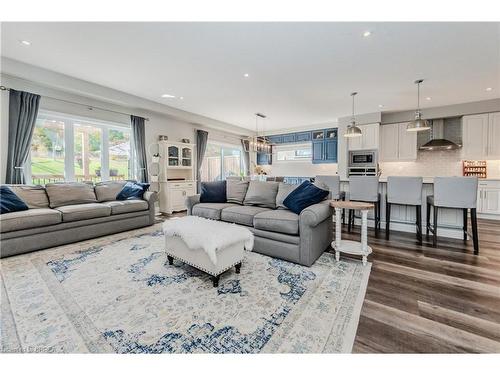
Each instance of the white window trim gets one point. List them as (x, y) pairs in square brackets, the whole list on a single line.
[(69, 141), (291, 147)]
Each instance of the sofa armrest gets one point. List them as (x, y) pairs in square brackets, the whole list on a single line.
[(316, 214), (191, 201), (151, 197)]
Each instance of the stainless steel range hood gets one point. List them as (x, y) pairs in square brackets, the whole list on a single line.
[(437, 141)]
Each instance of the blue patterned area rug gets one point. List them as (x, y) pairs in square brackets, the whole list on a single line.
[(117, 294)]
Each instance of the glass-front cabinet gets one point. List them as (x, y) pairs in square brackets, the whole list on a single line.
[(173, 156), (187, 155)]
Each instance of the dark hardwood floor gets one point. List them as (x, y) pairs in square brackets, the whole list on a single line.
[(422, 299)]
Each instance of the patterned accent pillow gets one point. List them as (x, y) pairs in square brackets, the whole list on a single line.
[(132, 190)]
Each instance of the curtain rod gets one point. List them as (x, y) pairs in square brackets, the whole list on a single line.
[(89, 107)]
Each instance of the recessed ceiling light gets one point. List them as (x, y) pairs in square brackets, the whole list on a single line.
[(181, 98), (367, 33), (489, 88), (25, 42), (168, 96), (381, 106), (428, 98), (246, 75)]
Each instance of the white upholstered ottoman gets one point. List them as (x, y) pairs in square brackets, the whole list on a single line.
[(208, 245)]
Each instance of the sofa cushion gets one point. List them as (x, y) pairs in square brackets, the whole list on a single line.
[(108, 190), (131, 205), (34, 218), (132, 190), (76, 212), (236, 191), (282, 221), (261, 194), (241, 214), (210, 210), (283, 191), (213, 192), (10, 202), (69, 193), (304, 196), (33, 195)]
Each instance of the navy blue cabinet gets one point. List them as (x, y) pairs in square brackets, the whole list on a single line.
[(324, 146), (275, 139), (264, 159), (303, 136), (289, 138)]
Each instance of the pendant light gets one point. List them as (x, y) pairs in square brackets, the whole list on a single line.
[(352, 129), (419, 124), (258, 143)]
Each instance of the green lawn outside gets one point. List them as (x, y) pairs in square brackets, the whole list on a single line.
[(49, 166)]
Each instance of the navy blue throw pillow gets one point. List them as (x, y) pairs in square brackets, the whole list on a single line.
[(10, 202), (132, 190), (304, 196), (213, 192)]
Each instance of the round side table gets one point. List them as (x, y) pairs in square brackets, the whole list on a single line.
[(347, 246)]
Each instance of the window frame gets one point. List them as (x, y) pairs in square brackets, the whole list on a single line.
[(222, 145), (69, 143), (292, 147)]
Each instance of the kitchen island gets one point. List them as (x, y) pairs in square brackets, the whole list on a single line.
[(450, 221)]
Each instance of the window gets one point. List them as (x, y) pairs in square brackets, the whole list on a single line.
[(66, 148), (296, 152), (221, 161)]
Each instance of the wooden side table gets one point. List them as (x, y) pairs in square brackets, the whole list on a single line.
[(347, 246)]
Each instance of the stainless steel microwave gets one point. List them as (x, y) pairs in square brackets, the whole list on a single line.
[(363, 158)]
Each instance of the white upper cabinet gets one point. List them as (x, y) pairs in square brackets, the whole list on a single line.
[(396, 143), (475, 136), (494, 135), (389, 140), (368, 140)]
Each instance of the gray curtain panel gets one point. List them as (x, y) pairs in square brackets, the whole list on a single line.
[(139, 133), (23, 109), (246, 155), (201, 147)]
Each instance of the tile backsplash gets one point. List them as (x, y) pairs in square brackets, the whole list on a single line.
[(435, 163)]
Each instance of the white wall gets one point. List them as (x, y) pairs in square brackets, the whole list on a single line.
[(159, 123)]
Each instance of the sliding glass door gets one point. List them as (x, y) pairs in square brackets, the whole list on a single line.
[(221, 161)]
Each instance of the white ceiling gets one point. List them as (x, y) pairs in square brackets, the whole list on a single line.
[(300, 73)]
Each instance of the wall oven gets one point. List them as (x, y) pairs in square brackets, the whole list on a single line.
[(363, 163)]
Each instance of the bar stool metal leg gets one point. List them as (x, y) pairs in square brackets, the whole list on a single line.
[(419, 223), (428, 221), (435, 225), (387, 219), (465, 224), (475, 238)]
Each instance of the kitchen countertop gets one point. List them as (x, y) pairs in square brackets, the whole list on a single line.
[(426, 180)]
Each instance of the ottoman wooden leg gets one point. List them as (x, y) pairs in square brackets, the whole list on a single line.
[(215, 281), (170, 259), (238, 268)]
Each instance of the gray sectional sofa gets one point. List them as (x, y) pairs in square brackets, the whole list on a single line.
[(278, 232), (62, 213)]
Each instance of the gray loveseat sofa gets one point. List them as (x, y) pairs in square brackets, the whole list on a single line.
[(62, 213), (278, 232)]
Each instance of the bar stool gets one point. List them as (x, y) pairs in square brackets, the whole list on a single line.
[(333, 183), (405, 191), (454, 192), (364, 189)]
